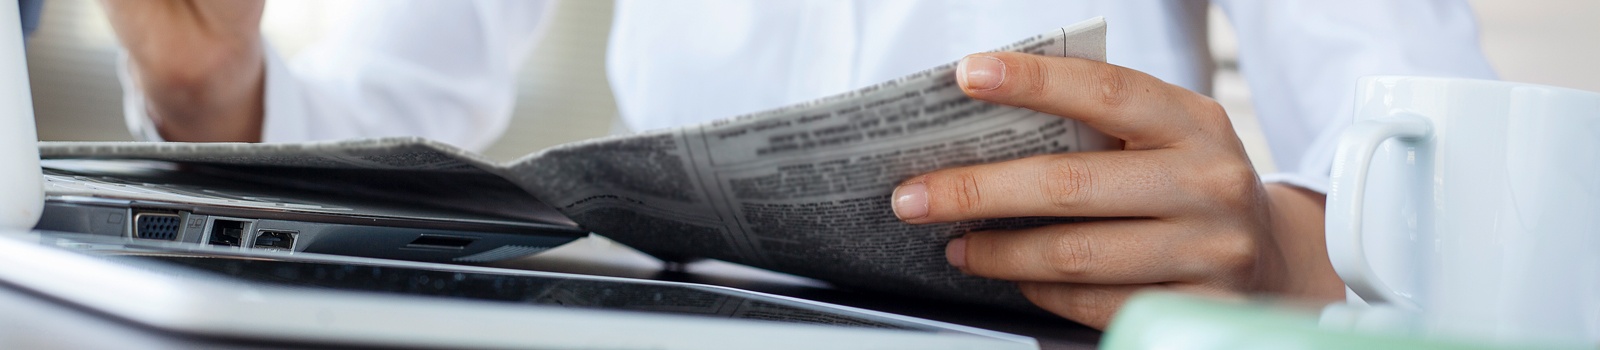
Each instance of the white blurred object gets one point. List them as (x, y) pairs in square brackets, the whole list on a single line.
[(21, 184), (1378, 319), (1481, 209)]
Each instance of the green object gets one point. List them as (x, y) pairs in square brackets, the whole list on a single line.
[(1165, 320)]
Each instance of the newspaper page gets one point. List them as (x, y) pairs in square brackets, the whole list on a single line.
[(802, 189), (806, 189)]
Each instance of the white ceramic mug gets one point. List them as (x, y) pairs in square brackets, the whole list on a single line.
[(1475, 203), (21, 183)]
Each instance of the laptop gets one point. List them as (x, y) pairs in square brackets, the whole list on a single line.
[(306, 299), (391, 215)]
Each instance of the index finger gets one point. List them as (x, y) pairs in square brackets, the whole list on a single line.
[(1124, 103)]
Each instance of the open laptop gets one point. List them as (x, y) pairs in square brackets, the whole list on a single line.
[(376, 215), (308, 299)]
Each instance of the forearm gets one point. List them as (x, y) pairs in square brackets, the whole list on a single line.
[(199, 66)]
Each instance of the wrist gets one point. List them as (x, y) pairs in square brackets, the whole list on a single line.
[(210, 94), (1297, 229), (189, 69)]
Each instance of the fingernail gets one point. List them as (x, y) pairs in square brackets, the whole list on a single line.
[(980, 73), (956, 252), (911, 201)]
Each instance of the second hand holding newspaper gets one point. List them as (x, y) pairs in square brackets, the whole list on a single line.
[(803, 189)]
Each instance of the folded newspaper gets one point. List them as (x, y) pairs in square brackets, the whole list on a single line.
[(802, 189)]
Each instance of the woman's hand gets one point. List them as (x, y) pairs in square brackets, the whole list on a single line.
[(1185, 208), (199, 64)]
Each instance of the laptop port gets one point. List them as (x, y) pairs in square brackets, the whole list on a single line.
[(227, 232), (162, 226), (275, 240), (440, 242)]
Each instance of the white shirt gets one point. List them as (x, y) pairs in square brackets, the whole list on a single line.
[(446, 69)]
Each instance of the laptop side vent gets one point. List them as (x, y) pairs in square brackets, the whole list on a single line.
[(501, 253)]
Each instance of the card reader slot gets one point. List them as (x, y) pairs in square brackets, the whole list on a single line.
[(441, 242)]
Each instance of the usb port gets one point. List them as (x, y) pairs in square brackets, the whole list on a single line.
[(228, 233), (275, 240)]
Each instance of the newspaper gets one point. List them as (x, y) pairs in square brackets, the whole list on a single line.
[(802, 189)]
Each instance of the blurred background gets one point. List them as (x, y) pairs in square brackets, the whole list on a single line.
[(563, 95)]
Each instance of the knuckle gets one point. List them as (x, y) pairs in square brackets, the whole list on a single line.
[(961, 190), (1227, 185), (1235, 253), (1037, 77), (1069, 255), (1236, 185), (1067, 182), (1113, 85), (1212, 111)]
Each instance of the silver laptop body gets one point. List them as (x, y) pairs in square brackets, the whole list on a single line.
[(158, 201), (307, 299)]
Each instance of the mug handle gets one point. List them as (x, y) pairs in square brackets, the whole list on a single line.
[(1352, 160)]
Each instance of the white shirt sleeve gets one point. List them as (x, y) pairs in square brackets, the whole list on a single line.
[(444, 70), (1302, 58)]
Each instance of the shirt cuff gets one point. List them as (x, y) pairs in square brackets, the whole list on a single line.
[(1309, 182), (283, 112), (133, 106)]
